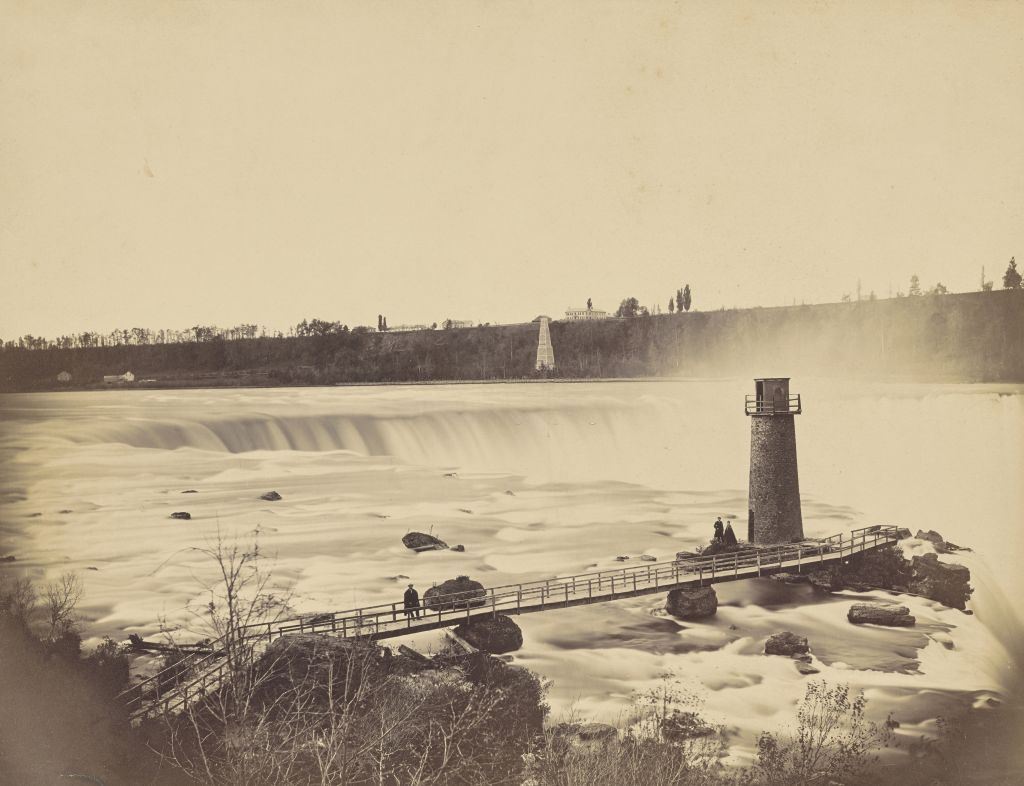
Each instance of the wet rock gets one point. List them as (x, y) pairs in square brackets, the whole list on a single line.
[(791, 578), (881, 614), (902, 533), (785, 643), (421, 541), (271, 496), (621, 559), (90, 567), (458, 547), (458, 593), (465, 510), (451, 474), (8, 558), (944, 582), (65, 511), (692, 604), (510, 492), (496, 635), (190, 491), (828, 579), (803, 657), (940, 544), (806, 668), (181, 514), (34, 515), (648, 558)]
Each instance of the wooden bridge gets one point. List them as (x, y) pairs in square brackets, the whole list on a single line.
[(200, 672)]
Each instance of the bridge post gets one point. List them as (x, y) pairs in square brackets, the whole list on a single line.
[(713, 567), (566, 595), (394, 612), (759, 563), (798, 557), (634, 582), (519, 599), (613, 585)]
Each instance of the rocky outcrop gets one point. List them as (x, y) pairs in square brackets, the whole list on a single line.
[(495, 635), (941, 581), (791, 578), (938, 543), (182, 515), (692, 604), (785, 643), (421, 541), (458, 593), (271, 496), (459, 547), (881, 614), (829, 579)]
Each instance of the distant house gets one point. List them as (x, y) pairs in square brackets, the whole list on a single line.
[(118, 379), (577, 314), (63, 377), (458, 323)]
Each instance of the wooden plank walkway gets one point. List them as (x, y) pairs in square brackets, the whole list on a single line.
[(199, 673)]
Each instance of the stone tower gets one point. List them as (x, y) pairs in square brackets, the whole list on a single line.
[(545, 352), (774, 507)]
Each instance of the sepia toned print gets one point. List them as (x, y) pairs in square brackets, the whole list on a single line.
[(511, 393)]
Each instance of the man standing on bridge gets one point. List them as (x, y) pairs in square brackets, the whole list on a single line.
[(412, 602)]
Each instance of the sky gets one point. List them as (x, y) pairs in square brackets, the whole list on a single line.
[(165, 164)]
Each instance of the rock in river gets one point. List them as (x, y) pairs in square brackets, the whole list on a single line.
[(496, 635), (881, 614), (692, 604), (785, 643), (421, 541), (458, 593), (271, 496), (181, 514)]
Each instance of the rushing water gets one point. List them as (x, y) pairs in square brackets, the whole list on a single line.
[(537, 480)]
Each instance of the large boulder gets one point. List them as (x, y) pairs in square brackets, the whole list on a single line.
[(941, 581), (785, 643), (496, 635), (692, 604), (828, 578), (458, 593), (881, 614), (421, 541)]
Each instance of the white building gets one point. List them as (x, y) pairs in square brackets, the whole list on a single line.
[(577, 314), (118, 379)]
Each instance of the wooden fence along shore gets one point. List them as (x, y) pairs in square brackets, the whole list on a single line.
[(203, 671)]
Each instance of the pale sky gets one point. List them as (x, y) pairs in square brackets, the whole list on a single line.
[(164, 164)]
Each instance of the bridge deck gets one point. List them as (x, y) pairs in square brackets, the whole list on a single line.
[(199, 673)]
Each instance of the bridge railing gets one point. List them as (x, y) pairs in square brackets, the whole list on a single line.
[(196, 673)]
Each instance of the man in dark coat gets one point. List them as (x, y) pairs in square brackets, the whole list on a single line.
[(718, 531), (412, 602)]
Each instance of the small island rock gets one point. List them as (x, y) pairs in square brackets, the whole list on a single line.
[(458, 593), (421, 541), (785, 643), (692, 604), (271, 496), (881, 614), (495, 635), (181, 514)]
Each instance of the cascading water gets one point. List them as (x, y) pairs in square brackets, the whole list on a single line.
[(537, 480)]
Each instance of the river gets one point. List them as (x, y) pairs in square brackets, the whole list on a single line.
[(537, 480)]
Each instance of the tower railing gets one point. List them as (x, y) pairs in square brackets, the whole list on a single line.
[(758, 406)]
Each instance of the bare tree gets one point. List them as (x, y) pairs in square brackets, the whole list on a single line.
[(61, 597)]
